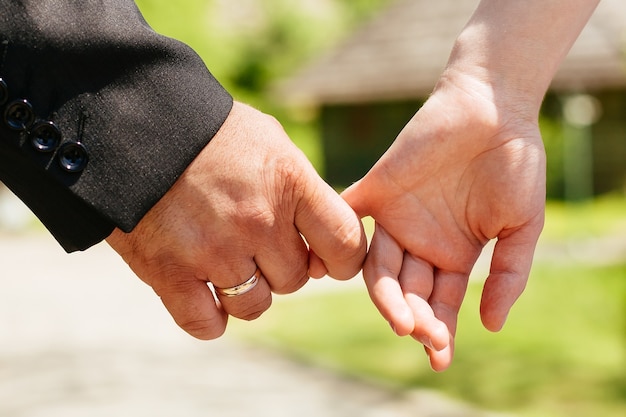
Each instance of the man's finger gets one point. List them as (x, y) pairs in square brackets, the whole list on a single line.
[(283, 258), (333, 230), (193, 307), (353, 195), (317, 269)]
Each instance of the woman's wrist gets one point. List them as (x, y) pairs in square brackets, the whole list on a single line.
[(511, 50), (503, 78)]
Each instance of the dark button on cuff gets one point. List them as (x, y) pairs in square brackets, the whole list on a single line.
[(19, 115), (45, 136), (4, 92), (73, 157)]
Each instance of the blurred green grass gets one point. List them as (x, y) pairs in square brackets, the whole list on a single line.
[(599, 217), (562, 352)]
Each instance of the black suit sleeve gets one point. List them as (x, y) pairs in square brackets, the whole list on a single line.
[(99, 114)]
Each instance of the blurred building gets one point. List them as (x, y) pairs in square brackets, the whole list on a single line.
[(369, 86)]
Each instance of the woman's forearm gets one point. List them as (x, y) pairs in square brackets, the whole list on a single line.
[(515, 47)]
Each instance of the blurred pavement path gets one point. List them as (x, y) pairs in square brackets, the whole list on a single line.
[(81, 336)]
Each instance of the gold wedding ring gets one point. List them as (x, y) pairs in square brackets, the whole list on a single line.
[(242, 288)]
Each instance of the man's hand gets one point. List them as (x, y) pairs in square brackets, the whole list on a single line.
[(246, 201)]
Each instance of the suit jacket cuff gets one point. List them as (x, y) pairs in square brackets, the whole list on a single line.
[(132, 108)]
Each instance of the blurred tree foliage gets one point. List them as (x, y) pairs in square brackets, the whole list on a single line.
[(248, 44)]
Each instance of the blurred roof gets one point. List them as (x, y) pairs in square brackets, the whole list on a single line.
[(400, 54)]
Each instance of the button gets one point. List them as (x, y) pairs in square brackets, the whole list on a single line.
[(19, 115), (4, 92), (45, 136), (73, 157)]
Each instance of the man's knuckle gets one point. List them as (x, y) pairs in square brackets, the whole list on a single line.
[(204, 329)]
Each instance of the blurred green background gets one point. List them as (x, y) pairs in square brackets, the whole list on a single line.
[(562, 352), (249, 45)]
